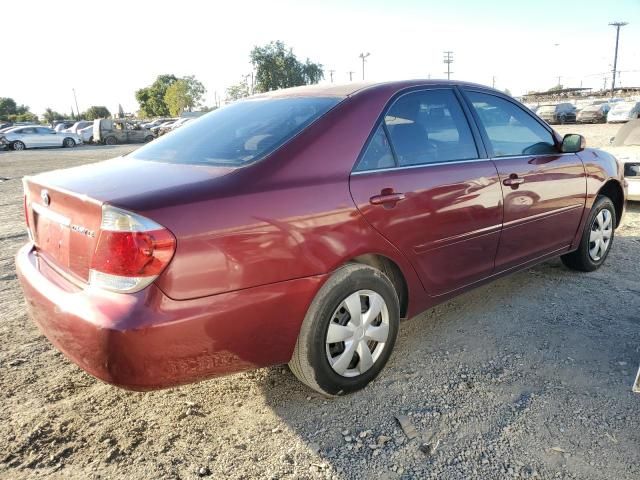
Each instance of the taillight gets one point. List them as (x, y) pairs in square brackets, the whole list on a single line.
[(131, 251)]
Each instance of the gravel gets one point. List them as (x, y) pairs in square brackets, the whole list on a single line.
[(527, 377)]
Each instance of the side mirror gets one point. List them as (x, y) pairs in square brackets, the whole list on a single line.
[(573, 143)]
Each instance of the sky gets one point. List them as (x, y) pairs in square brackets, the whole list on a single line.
[(106, 51)]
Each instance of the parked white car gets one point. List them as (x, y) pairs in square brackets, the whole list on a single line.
[(20, 138), (623, 112), (625, 146), (79, 126), (179, 123), (86, 133)]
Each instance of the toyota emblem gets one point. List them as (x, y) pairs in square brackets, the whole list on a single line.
[(44, 195)]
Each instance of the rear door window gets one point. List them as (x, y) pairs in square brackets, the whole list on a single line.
[(511, 130), (428, 127), (378, 153)]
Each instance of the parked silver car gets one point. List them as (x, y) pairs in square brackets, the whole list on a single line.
[(559, 113), (20, 138), (623, 112)]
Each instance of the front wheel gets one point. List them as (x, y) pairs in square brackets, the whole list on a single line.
[(69, 143), (18, 145), (111, 140), (597, 238), (148, 138), (349, 331)]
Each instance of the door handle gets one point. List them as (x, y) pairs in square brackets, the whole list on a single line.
[(387, 197), (513, 181)]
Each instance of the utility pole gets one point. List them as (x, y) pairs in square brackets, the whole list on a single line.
[(615, 56), (74, 97), (559, 79), (331, 72), (351, 76), (448, 59), (493, 82), (363, 56)]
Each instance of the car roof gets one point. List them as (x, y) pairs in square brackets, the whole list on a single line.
[(348, 89)]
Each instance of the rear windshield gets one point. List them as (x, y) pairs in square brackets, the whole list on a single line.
[(623, 107), (237, 134), (547, 108)]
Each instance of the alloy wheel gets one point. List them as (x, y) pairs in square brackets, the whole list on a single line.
[(357, 333), (600, 236)]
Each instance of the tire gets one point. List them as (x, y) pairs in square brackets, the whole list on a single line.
[(111, 141), (68, 143), (316, 362), (18, 145), (600, 225), (148, 138)]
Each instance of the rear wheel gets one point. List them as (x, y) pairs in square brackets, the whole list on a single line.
[(18, 145), (111, 140), (68, 143), (597, 237), (349, 331)]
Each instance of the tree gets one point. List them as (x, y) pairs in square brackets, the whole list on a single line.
[(185, 94), (23, 117), (96, 111), (50, 116), (9, 110), (151, 98), (7, 107), (277, 67), (237, 91), (176, 98)]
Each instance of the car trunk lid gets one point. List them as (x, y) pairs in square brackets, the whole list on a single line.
[(63, 226), (64, 208)]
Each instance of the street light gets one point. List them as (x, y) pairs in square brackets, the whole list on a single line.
[(363, 56)]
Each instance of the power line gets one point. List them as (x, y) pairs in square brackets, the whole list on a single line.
[(448, 60), (615, 56)]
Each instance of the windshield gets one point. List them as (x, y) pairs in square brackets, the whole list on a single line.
[(239, 133), (592, 108), (628, 135)]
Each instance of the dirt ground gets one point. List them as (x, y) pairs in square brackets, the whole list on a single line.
[(528, 377)]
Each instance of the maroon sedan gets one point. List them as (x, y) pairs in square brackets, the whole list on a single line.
[(300, 226)]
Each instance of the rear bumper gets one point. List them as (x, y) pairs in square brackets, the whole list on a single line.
[(148, 341), (633, 189)]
